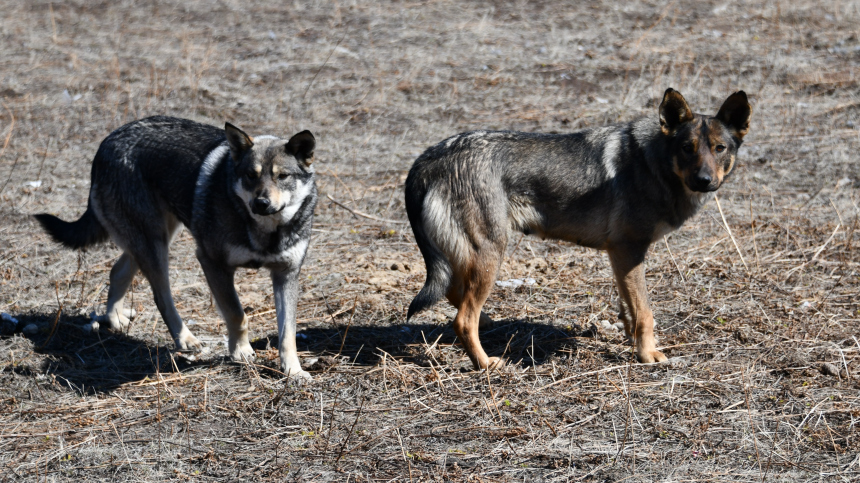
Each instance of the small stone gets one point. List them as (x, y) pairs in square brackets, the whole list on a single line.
[(8, 324), (829, 369), (608, 326), (8, 318), (31, 329)]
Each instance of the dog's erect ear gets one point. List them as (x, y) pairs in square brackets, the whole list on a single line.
[(735, 113), (302, 147), (239, 141), (674, 111)]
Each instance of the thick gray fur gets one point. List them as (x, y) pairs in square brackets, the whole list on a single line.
[(246, 203)]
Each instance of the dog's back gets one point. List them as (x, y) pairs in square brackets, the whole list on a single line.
[(154, 157), (152, 161)]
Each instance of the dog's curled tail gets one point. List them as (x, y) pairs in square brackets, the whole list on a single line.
[(86, 231), (438, 269)]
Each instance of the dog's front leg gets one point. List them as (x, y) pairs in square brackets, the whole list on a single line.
[(286, 287), (628, 266)]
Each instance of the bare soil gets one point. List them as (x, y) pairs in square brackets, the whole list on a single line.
[(756, 298)]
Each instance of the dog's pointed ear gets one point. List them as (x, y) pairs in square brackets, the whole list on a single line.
[(735, 113), (239, 141), (674, 111), (302, 147)]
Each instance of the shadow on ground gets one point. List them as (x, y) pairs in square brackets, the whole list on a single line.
[(520, 341), (91, 361), (101, 361)]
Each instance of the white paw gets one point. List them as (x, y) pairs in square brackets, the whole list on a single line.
[(115, 322), (186, 342), (243, 353), (295, 372)]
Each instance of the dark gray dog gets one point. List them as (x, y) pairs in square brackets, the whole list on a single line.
[(616, 188), (247, 202)]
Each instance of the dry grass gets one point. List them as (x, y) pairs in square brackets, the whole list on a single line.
[(748, 327)]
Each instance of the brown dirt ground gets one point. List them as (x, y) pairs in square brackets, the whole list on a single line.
[(745, 397)]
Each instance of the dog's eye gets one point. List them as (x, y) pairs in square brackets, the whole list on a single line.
[(283, 176), (720, 148), (251, 175), (688, 148)]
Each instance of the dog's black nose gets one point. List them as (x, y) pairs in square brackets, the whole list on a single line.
[(260, 206), (703, 182)]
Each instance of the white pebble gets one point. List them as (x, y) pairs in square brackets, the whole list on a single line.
[(606, 325)]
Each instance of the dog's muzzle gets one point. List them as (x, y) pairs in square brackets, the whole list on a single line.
[(703, 182), (263, 207)]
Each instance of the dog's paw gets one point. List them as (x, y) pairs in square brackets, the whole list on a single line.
[(186, 342), (243, 353), (297, 374), (494, 363), (114, 322), (647, 357)]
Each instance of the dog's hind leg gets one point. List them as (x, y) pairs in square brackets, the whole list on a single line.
[(455, 297), (150, 252), (221, 281), (628, 267), (155, 270), (626, 321), (477, 282), (121, 276)]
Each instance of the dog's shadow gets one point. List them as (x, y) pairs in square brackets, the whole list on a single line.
[(99, 362), (519, 341), (89, 361)]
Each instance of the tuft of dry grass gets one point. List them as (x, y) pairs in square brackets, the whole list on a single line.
[(762, 384)]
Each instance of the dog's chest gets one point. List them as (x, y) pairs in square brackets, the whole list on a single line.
[(244, 256)]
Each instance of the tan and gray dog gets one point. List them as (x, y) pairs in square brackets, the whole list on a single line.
[(247, 202), (617, 188)]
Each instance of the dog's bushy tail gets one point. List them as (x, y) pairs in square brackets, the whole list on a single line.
[(438, 269), (86, 231)]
